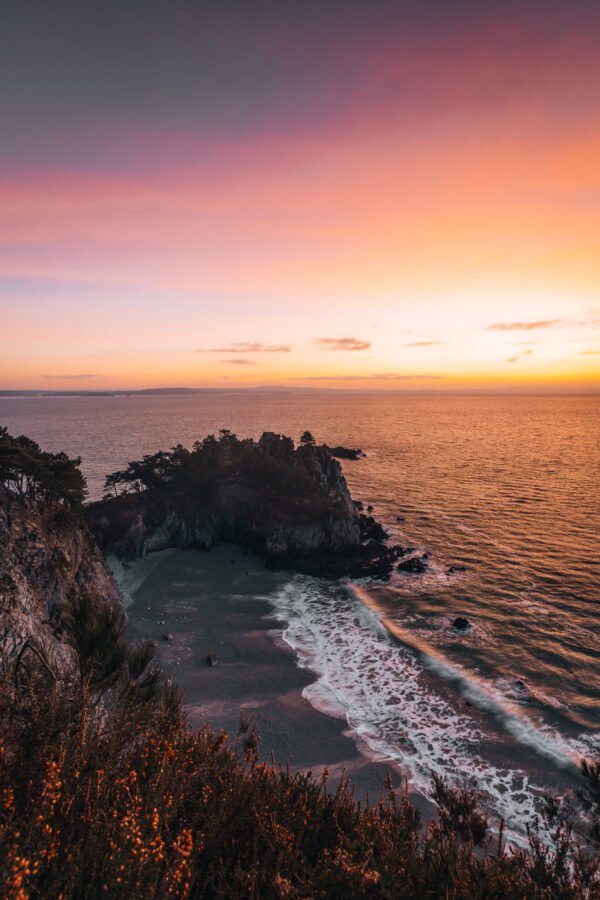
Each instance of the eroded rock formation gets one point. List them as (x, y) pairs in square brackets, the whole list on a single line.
[(47, 556)]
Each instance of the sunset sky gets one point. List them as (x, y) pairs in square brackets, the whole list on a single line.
[(334, 194)]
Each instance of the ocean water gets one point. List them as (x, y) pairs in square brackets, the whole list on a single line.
[(506, 486)]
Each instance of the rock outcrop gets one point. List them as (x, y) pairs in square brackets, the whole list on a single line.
[(416, 565), (345, 452), (47, 556), (290, 504)]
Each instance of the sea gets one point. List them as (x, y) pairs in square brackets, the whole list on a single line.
[(502, 492)]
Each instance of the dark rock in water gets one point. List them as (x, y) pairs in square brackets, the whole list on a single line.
[(400, 519), (345, 452), (359, 505), (520, 685), (371, 529), (454, 569), (211, 659), (413, 566), (374, 546), (461, 624), (167, 637), (373, 559), (370, 508)]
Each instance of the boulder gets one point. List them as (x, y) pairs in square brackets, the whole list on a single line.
[(399, 550), (413, 566), (461, 624), (345, 452), (371, 529)]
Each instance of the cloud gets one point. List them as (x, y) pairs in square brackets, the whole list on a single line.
[(519, 355), (423, 343), (347, 343), (588, 353), (378, 376), (238, 362), (247, 347), (523, 326), (68, 377)]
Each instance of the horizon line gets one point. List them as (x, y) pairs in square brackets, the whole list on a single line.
[(7, 393)]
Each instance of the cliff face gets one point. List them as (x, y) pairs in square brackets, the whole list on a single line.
[(291, 504), (47, 555)]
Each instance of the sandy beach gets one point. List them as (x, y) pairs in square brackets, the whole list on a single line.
[(216, 603)]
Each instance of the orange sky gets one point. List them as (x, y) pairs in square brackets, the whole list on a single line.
[(424, 226)]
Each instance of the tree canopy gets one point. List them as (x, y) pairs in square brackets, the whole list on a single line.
[(225, 456), (33, 474)]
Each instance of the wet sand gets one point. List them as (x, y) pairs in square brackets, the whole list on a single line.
[(216, 603)]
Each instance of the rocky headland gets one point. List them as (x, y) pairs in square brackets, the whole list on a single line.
[(289, 504)]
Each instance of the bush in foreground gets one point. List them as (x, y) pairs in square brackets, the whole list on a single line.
[(105, 791)]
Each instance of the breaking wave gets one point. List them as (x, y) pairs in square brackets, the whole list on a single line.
[(381, 679)]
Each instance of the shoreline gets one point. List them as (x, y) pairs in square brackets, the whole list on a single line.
[(228, 604), (217, 603)]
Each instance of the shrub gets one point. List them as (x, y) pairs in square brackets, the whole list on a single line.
[(105, 791)]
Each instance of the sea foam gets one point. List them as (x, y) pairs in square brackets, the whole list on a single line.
[(378, 682)]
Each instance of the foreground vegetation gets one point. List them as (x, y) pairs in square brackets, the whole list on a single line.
[(104, 791)]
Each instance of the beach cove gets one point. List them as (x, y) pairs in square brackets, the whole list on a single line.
[(217, 603)]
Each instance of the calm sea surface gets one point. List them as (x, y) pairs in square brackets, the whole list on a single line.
[(506, 486)]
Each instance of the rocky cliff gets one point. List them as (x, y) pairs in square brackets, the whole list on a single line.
[(47, 556)]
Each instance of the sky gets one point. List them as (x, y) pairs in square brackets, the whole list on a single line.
[(382, 195)]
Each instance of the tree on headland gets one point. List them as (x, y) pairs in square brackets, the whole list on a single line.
[(33, 474), (307, 438), (178, 472)]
